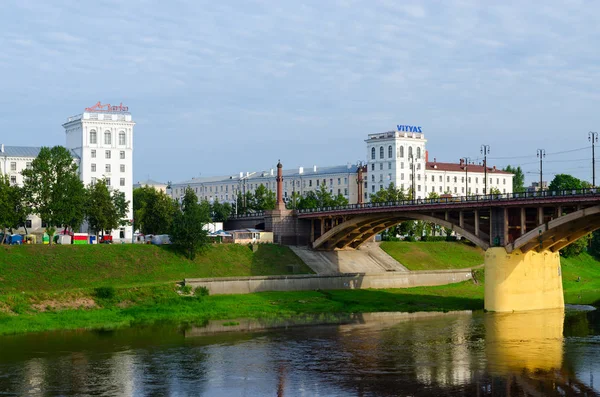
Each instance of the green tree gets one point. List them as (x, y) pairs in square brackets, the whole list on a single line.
[(576, 247), (153, 210), (10, 204), (495, 190), (340, 201), (187, 231), (324, 197), (105, 210), (294, 201), (309, 201), (264, 199), (566, 182), (518, 179), (220, 211), (53, 188), (389, 195)]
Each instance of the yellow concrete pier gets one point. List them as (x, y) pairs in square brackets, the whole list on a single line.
[(517, 281)]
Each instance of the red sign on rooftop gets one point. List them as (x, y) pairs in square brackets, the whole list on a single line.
[(99, 107)]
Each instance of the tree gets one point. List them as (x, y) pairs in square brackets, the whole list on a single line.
[(264, 199), (220, 211), (187, 231), (576, 247), (153, 210), (518, 179), (309, 201), (294, 201), (389, 195), (105, 210), (53, 188), (566, 182), (340, 201), (12, 214), (495, 190)]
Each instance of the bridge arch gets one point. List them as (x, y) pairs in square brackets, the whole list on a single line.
[(354, 232)]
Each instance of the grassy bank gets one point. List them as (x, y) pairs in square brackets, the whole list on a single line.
[(587, 289), (425, 255), (66, 267)]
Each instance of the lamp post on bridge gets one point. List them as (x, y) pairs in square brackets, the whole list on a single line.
[(541, 153), (466, 160), (485, 150), (593, 137)]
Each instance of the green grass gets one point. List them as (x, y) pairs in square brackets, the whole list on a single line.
[(434, 255), (66, 267), (587, 290)]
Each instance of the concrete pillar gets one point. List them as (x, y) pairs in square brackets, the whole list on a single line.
[(540, 215), (518, 282), (491, 230), (559, 212), (476, 214), (312, 231), (461, 219), (446, 216), (523, 219), (505, 228), (322, 226)]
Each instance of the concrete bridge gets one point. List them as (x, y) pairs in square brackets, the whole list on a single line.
[(521, 234)]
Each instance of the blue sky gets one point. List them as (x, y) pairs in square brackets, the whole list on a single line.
[(218, 87)]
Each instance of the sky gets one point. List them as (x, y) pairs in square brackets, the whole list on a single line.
[(219, 87)]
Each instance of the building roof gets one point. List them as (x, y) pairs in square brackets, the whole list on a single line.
[(149, 182), (26, 151), (307, 172), (460, 167)]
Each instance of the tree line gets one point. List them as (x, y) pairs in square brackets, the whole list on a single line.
[(53, 191)]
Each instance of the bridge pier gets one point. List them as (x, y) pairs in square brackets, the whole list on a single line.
[(519, 281)]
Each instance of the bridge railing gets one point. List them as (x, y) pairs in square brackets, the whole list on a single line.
[(257, 214), (462, 199)]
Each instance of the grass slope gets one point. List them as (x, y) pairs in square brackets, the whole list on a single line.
[(587, 290), (66, 267), (430, 255)]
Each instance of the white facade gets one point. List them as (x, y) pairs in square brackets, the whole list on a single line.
[(103, 140)]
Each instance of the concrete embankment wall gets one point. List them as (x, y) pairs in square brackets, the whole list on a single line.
[(247, 285)]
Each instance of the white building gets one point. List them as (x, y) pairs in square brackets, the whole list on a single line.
[(102, 137), (101, 142), (399, 157)]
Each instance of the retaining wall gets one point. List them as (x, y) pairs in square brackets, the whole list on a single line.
[(247, 285)]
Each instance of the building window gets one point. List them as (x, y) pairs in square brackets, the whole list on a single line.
[(339, 191), (339, 181), (402, 176), (447, 179), (381, 178), (107, 168), (122, 182), (28, 223), (372, 178), (440, 178), (330, 181), (380, 187), (309, 182), (389, 177), (93, 167), (497, 181), (401, 151), (372, 153), (107, 138), (93, 180), (373, 167), (13, 179), (122, 155), (410, 152), (93, 137), (93, 153), (373, 188), (380, 152), (389, 166), (13, 165), (107, 181), (504, 181), (107, 154), (476, 190), (440, 189), (381, 166), (469, 182), (28, 165), (418, 152), (390, 152), (345, 191), (455, 179), (476, 180), (454, 189), (418, 188), (432, 178), (122, 167), (418, 177), (462, 189), (345, 181), (122, 138)]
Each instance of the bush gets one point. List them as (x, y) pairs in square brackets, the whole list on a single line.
[(434, 238), (201, 291), (451, 238), (389, 238), (185, 289), (410, 239), (104, 292)]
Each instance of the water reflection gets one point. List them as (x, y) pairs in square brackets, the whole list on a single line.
[(460, 354)]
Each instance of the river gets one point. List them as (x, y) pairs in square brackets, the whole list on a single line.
[(381, 354)]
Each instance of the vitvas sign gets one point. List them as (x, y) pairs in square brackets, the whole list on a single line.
[(409, 128)]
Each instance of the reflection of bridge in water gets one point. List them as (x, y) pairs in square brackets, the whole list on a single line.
[(520, 232)]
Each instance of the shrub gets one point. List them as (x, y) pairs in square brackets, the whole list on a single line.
[(201, 291), (434, 238), (410, 239), (451, 238), (104, 292), (185, 289)]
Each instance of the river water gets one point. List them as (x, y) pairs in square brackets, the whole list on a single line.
[(382, 354)]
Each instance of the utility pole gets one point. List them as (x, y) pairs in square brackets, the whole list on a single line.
[(541, 153), (485, 150), (593, 137), (466, 160)]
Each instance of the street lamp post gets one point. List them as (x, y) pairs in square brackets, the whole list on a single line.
[(541, 153), (466, 160), (593, 137), (411, 158), (485, 150)]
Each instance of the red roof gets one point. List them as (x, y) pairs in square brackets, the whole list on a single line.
[(457, 167)]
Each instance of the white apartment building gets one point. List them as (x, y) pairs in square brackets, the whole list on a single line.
[(101, 142), (338, 180), (102, 137)]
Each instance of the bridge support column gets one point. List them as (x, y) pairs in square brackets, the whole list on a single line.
[(517, 281)]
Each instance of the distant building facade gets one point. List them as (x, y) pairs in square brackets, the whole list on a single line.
[(159, 186), (398, 157)]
